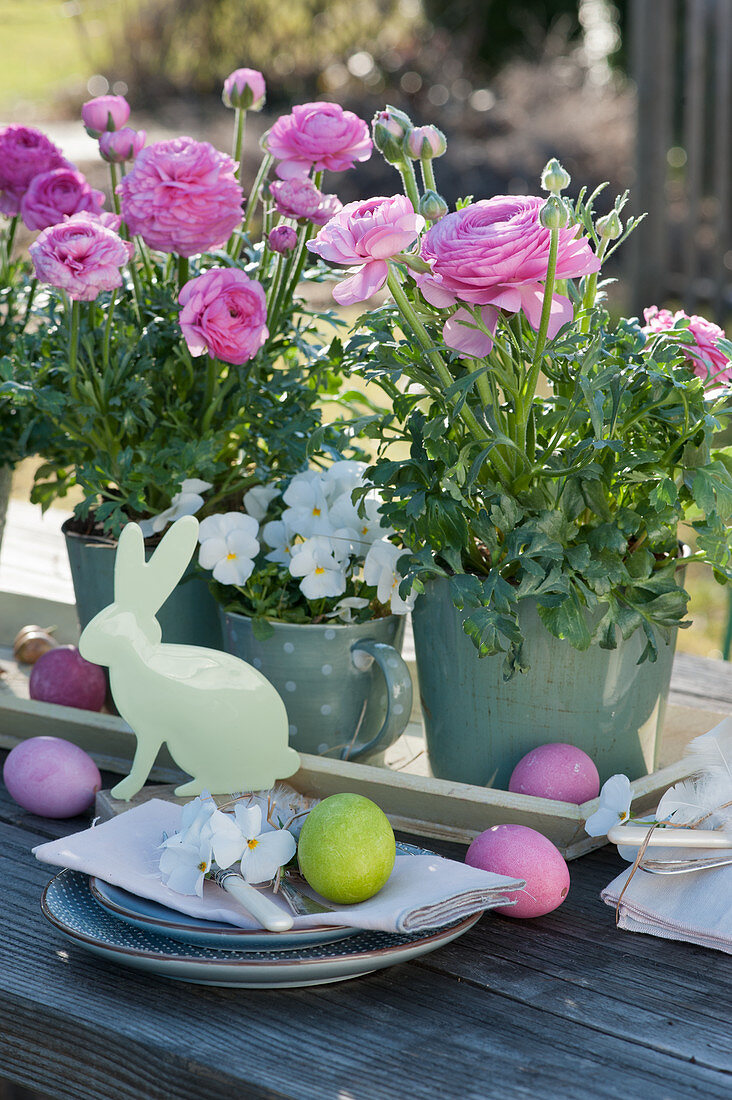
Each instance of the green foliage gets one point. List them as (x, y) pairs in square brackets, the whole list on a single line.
[(570, 495)]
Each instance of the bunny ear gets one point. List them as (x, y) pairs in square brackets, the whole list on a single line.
[(129, 560), (156, 580)]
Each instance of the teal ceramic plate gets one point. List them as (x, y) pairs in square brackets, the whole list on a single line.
[(152, 917), (68, 904)]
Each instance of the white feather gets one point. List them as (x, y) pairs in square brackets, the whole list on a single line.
[(691, 799), (711, 753)]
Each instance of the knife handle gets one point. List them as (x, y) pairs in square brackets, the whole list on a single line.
[(257, 904)]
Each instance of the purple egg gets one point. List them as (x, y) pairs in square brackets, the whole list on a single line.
[(558, 771), (51, 777), (521, 852), (63, 676)]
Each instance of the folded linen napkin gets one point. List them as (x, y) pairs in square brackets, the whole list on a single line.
[(422, 891), (695, 907)]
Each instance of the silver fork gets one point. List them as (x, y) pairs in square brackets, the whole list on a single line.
[(681, 866), (301, 904)]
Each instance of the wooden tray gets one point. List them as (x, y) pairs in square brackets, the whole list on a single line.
[(414, 801)]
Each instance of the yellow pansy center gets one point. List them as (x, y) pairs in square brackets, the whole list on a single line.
[(319, 570), (316, 511), (252, 843), (231, 556), (203, 866)]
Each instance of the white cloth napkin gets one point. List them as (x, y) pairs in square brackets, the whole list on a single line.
[(695, 907), (422, 891)]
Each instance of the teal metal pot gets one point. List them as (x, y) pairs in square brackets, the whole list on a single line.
[(478, 727), (347, 690), (6, 480), (189, 616)]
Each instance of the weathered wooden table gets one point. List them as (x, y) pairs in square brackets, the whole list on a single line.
[(564, 1006)]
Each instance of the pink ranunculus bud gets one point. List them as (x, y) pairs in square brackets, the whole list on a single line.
[(181, 196), (81, 256), (296, 198), (121, 145), (330, 206), (224, 314), (703, 352), (55, 195), (495, 254), (389, 128), (366, 235), (106, 112), (425, 142), (320, 136), (245, 89), (24, 153), (282, 239), (432, 206)]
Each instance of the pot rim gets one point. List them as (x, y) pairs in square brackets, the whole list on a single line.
[(330, 625)]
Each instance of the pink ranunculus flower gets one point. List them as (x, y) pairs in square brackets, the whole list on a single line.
[(494, 254), (55, 195), (24, 153), (244, 88), (296, 198), (225, 314), (81, 256), (330, 205), (319, 136), (367, 234), (106, 112), (282, 239), (121, 145), (709, 361), (181, 196)]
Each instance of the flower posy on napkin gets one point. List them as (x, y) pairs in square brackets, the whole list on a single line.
[(423, 891)]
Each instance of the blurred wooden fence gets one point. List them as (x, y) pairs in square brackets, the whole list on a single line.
[(681, 60)]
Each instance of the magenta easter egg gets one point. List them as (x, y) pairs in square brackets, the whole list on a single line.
[(558, 771), (51, 777), (520, 852), (63, 676)]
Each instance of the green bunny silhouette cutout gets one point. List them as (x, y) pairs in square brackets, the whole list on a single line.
[(222, 721)]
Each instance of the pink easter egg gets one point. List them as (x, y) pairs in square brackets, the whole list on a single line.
[(62, 676), (520, 852), (51, 777), (558, 771)]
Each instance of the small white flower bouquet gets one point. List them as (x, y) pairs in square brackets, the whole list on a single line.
[(305, 551)]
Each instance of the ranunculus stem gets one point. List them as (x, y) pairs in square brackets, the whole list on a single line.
[(410, 316), (74, 335), (182, 271), (9, 241), (533, 378), (428, 174), (114, 176), (29, 303), (590, 294), (108, 329), (409, 178), (251, 206), (240, 118)]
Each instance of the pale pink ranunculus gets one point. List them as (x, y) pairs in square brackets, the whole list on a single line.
[(296, 198), (319, 136), (24, 153), (330, 205), (494, 254), (105, 112), (709, 361), (181, 196), (367, 234), (244, 88), (225, 314), (55, 195), (121, 145), (81, 256)]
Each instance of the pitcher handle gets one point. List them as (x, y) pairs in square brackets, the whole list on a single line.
[(398, 697)]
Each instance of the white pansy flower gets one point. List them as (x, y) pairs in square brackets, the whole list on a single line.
[(264, 852), (343, 477), (614, 808), (258, 499), (280, 536), (322, 573), (379, 569), (345, 609), (367, 527), (307, 508), (185, 503), (229, 546)]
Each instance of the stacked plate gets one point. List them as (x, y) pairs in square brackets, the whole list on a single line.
[(142, 934)]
